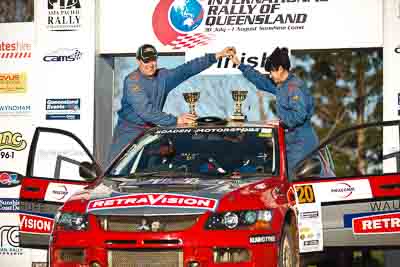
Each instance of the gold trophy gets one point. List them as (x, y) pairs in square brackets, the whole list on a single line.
[(191, 99), (238, 96)]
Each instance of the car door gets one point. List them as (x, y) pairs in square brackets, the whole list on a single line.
[(59, 165), (357, 186)]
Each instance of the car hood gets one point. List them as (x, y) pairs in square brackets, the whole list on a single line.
[(162, 196)]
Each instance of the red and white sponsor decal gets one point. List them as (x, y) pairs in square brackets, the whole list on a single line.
[(377, 224), (343, 190), (153, 200), (35, 224)]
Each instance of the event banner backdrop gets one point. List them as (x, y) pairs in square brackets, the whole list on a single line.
[(184, 24), (16, 92), (64, 61)]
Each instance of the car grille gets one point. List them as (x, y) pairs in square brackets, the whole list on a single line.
[(145, 258), (38, 207), (148, 223)]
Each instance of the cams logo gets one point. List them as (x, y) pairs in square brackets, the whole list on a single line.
[(15, 50), (13, 82), (176, 23), (63, 55), (12, 141), (64, 15)]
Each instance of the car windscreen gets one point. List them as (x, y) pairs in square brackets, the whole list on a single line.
[(224, 151)]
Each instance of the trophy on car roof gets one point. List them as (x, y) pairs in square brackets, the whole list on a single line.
[(238, 96), (191, 98)]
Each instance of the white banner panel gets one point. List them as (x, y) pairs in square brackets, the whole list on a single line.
[(176, 25), (16, 93), (64, 60), (391, 78)]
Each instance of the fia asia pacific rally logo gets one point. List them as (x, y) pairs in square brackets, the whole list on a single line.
[(176, 23), (63, 15)]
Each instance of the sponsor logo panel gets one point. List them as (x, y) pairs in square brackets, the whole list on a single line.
[(63, 109), (387, 223), (13, 82), (9, 241), (187, 24), (260, 239), (9, 205), (15, 50), (12, 141), (8, 179), (63, 15), (61, 192), (35, 224), (63, 55), (15, 110), (154, 200), (342, 190)]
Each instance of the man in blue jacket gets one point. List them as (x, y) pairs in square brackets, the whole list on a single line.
[(145, 91), (294, 103)]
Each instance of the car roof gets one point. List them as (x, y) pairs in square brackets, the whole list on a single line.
[(266, 124)]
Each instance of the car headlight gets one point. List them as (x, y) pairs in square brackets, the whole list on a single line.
[(71, 221), (244, 219)]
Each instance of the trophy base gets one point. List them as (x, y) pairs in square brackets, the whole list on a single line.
[(238, 118)]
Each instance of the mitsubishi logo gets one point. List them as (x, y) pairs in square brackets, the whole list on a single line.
[(145, 226)]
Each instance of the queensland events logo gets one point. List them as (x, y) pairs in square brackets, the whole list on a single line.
[(63, 15), (177, 23)]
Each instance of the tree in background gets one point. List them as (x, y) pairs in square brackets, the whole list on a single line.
[(347, 89)]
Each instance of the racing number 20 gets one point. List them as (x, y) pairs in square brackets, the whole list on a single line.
[(305, 194)]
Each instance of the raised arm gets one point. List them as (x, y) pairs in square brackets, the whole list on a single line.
[(195, 66)]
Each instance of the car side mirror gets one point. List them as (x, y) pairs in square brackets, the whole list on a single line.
[(310, 167), (88, 170)]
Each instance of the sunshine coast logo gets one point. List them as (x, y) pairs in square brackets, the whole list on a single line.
[(176, 23)]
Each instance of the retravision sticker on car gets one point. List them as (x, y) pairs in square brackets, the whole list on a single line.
[(153, 200)]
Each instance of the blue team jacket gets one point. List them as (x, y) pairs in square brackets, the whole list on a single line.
[(294, 107), (143, 99)]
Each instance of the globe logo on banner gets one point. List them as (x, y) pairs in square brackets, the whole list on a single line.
[(176, 24), (186, 15)]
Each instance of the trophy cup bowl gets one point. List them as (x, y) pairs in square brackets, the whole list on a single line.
[(191, 98), (238, 96)]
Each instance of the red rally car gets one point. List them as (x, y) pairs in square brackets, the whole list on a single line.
[(214, 194)]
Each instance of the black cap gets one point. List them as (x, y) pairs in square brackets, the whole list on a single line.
[(146, 53), (279, 57)]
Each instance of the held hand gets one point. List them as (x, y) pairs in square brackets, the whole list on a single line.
[(235, 60), (186, 118), (228, 51)]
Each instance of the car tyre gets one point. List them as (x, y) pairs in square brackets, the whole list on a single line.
[(289, 255)]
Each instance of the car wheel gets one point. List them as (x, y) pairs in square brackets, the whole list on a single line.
[(289, 255)]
